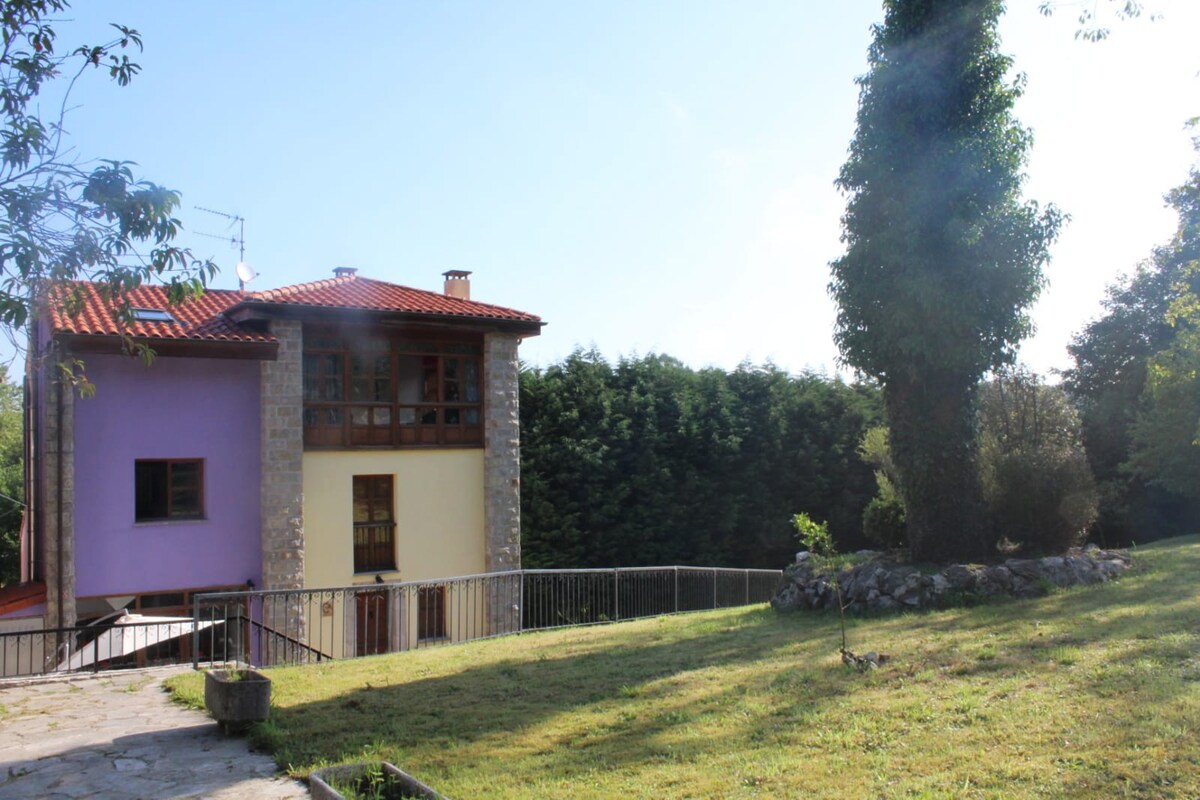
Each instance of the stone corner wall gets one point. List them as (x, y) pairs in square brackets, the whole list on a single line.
[(502, 480), (502, 453), (58, 500), (282, 431)]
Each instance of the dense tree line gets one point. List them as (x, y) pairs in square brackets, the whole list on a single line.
[(650, 462)]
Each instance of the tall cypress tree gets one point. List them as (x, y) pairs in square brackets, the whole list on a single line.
[(943, 257)]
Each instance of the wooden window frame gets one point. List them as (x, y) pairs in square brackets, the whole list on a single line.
[(370, 560), (349, 424), (170, 463)]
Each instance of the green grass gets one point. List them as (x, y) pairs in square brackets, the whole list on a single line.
[(1092, 692)]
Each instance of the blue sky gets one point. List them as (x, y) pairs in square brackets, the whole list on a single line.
[(648, 177)]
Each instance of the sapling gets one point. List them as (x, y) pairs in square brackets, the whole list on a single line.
[(816, 537)]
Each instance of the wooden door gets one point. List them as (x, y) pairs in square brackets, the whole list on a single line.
[(371, 613)]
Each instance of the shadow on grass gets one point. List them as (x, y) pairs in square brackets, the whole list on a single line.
[(507, 696), (567, 704), (1147, 621), (1148, 587)]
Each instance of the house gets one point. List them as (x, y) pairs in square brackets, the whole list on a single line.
[(330, 433)]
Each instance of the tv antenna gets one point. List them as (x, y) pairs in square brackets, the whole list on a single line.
[(245, 272)]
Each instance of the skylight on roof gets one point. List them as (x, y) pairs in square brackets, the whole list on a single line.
[(152, 315)]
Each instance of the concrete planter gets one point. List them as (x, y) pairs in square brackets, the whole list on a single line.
[(237, 697), (377, 779)]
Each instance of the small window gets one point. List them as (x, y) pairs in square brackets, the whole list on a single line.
[(168, 489), (153, 315)]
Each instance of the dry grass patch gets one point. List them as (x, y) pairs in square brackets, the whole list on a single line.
[(1092, 692)]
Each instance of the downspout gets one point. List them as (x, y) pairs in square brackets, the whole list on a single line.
[(28, 522), (58, 506), (32, 544)]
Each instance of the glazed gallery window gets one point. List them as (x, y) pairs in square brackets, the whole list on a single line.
[(168, 489), (374, 524), (365, 390)]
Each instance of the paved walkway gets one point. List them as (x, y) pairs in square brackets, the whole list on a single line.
[(119, 735)]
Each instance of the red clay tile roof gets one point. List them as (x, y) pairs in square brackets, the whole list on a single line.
[(201, 319), (351, 291), (205, 319)]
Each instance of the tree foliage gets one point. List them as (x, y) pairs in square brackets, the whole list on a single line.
[(66, 218), (650, 462), (12, 477), (1166, 433), (943, 257), (1134, 380), (1091, 18)]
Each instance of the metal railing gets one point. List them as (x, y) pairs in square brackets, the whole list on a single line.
[(560, 597), (269, 628), (307, 625), (97, 647)]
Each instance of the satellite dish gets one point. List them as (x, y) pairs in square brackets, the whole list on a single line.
[(245, 274)]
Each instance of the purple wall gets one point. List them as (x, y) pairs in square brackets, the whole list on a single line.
[(174, 408)]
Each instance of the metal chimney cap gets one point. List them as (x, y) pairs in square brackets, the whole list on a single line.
[(343, 272)]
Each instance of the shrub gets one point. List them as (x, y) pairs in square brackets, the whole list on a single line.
[(1037, 484), (883, 519), (883, 522), (1042, 499), (814, 535)]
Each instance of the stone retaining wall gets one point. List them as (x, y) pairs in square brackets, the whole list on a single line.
[(882, 584)]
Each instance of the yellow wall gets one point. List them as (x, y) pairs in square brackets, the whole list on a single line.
[(439, 513)]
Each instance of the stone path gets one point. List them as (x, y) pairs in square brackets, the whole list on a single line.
[(119, 735)]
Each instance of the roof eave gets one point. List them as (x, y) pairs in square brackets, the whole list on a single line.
[(109, 344), (256, 310), (22, 596)]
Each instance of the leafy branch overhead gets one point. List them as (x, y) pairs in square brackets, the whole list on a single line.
[(1090, 28), (66, 218)]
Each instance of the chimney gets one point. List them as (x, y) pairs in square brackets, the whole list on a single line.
[(458, 284), (344, 272)]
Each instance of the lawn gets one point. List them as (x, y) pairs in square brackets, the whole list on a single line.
[(1091, 692)]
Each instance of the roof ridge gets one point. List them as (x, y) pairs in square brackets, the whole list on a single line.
[(312, 293), (435, 293), (295, 288), (95, 288)]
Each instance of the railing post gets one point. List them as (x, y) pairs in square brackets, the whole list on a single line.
[(676, 588), (714, 574), (747, 573), (617, 594), (195, 631)]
